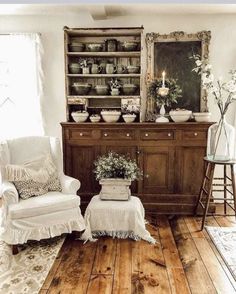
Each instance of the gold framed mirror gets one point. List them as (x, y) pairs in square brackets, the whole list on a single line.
[(170, 53)]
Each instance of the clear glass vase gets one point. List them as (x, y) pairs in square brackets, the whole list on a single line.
[(221, 141)]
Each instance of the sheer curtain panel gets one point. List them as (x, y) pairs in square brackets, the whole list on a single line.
[(20, 85)]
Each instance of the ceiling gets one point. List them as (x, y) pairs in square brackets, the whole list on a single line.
[(105, 11)]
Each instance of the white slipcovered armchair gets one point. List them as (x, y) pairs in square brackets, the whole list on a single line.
[(44, 216)]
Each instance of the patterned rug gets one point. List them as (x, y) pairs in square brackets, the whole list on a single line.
[(27, 271), (225, 242)]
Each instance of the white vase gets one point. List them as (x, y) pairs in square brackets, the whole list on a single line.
[(115, 189), (221, 141), (161, 118)]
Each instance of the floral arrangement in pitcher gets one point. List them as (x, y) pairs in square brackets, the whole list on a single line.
[(174, 93), (85, 62), (220, 135), (114, 165), (115, 84), (223, 92)]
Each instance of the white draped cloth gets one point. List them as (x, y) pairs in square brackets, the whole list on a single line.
[(121, 219)]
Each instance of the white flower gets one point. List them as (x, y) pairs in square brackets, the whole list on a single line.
[(230, 86), (207, 78), (208, 67), (198, 62)]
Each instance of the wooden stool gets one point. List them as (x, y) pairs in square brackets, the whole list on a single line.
[(208, 182)]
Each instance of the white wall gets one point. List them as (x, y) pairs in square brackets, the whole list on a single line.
[(222, 48)]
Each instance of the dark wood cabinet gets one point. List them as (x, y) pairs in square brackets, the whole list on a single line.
[(170, 156), (157, 164)]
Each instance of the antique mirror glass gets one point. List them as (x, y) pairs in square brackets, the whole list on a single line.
[(170, 53)]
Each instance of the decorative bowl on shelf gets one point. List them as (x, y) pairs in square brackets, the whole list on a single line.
[(95, 118), (79, 116), (133, 69), (180, 115), (129, 46), (81, 88), (129, 118), (75, 68), (129, 89), (101, 89), (202, 116), (94, 47), (76, 47), (110, 116)]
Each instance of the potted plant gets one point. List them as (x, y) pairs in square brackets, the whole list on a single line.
[(115, 85), (85, 65), (115, 173)]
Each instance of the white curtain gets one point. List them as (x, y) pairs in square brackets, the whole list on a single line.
[(20, 85)]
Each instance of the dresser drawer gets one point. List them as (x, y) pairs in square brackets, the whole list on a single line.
[(83, 134), (194, 135), (118, 134), (157, 135)]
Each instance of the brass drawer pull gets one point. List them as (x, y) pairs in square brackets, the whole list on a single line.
[(127, 134), (146, 135), (105, 135), (195, 134), (169, 134), (81, 134)]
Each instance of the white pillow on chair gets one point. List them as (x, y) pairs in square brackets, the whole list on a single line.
[(33, 178)]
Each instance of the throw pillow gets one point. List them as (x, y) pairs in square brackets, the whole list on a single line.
[(34, 178)]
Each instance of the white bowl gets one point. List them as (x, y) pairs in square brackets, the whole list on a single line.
[(95, 119), (202, 116), (79, 116), (129, 118), (180, 115), (110, 116)]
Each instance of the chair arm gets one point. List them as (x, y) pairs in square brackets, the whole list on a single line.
[(8, 193), (69, 185)]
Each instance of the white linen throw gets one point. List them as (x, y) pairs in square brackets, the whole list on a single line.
[(121, 219)]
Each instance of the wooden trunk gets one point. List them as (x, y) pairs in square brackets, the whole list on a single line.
[(170, 155)]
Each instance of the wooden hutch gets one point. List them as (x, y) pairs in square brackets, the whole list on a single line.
[(170, 154)]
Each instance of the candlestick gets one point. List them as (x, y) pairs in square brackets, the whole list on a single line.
[(163, 79)]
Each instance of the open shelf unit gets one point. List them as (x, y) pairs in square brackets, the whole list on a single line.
[(119, 57)]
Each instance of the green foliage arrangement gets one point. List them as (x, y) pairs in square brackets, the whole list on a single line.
[(114, 165), (175, 91)]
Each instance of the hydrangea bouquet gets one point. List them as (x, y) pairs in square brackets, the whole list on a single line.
[(114, 165)]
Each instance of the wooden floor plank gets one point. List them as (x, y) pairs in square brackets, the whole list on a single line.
[(225, 221), (105, 257), (178, 281), (74, 271), (43, 291), (177, 278), (194, 227), (198, 278), (149, 277), (169, 249), (214, 268), (123, 267), (100, 284)]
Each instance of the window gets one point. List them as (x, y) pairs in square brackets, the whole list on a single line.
[(20, 85)]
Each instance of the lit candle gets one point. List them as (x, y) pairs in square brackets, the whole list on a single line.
[(163, 79)]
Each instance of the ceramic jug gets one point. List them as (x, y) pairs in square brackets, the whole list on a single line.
[(110, 68), (121, 69), (95, 69)]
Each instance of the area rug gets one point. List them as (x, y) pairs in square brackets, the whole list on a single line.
[(27, 271), (225, 241)]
